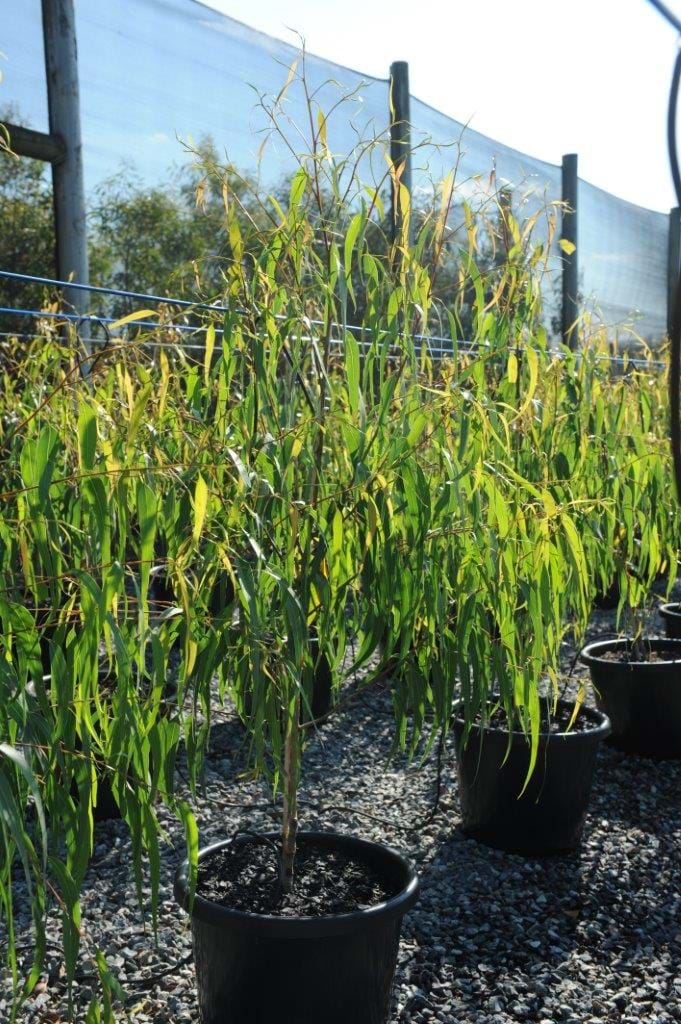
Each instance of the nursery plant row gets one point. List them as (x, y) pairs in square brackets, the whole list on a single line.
[(301, 504)]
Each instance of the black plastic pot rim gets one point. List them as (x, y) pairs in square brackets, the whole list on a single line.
[(591, 654), (601, 723), (303, 927), (671, 611)]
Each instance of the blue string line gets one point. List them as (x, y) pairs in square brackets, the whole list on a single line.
[(94, 320), (11, 275), (462, 346), (186, 303)]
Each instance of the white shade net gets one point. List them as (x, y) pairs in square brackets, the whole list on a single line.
[(153, 72)]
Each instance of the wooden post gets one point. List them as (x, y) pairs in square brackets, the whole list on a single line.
[(673, 263), (63, 104), (400, 139), (35, 145), (570, 259)]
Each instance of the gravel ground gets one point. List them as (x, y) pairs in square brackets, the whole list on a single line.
[(591, 937)]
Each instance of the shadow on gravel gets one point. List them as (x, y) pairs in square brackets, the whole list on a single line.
[(639, 792), (228, 738), (503, 937), (506, 902), (368, 710), (484, 923)]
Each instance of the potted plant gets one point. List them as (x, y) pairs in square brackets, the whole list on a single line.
[(637, 677), (332, 951), (500, 806), (525, 757), (637, 682), (92, 730), (317, 914), (496, 571)]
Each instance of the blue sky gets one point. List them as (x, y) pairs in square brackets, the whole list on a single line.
[(544, 76)]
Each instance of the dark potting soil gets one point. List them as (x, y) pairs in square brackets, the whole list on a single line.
[(557, 722), (245, 877), (643, 656)]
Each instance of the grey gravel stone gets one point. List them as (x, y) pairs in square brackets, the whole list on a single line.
[(593, 937)]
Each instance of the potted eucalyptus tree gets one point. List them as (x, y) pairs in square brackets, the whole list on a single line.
[(637, 677), (496, 569), (89, 737), (526, 767), (301, 926), (637, 682)]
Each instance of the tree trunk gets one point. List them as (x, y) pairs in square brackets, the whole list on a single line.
[(290, 787)]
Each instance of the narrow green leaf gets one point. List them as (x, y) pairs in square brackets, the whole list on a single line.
[(200, 506)]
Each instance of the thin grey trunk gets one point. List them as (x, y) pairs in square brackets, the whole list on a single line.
[(290, 791)]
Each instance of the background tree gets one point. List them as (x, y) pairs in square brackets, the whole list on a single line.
[(27, 241), (175, 237)]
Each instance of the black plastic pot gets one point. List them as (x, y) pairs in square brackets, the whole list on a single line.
[(671, 616), (316, 970), (641, 699), (222, 594), (322, 688), (607, 600), (161, 590), (105, 807), (549, 816), (321, 697)]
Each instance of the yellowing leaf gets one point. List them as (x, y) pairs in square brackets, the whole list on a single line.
[(550, 506), (140, 314), (356, 225), (137, 414), (578, 703), (512, 369), (337, 533), (352, 371), (373, 522), (567, 246), (533, 364), (235, 240), (321, 121), (208, 356), (296, 448), (446, 192), (165, 381), (289, 78), (200, 506)]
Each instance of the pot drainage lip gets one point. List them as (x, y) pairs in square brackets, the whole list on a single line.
[(591, 654)]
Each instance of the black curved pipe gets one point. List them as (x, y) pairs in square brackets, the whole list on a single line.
[(675, 333), (666, 13)]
